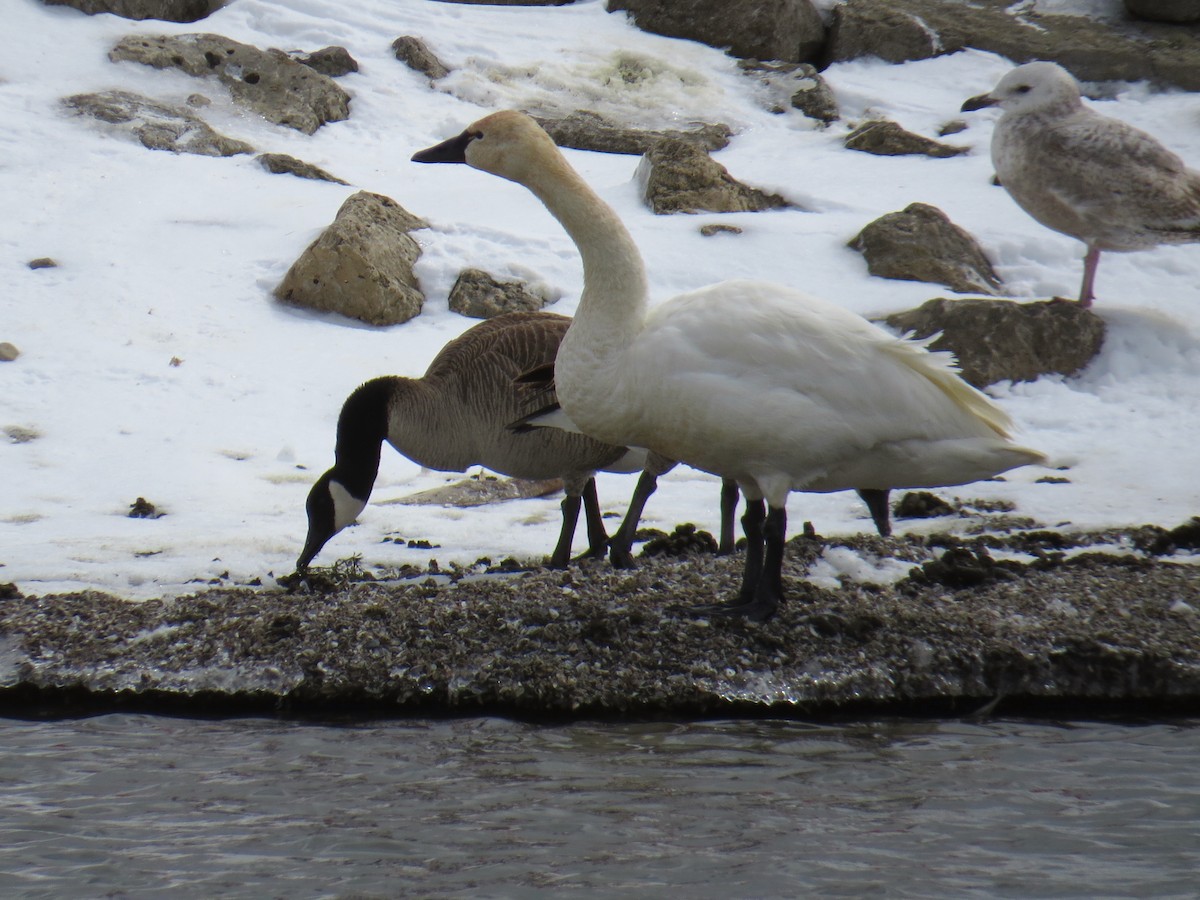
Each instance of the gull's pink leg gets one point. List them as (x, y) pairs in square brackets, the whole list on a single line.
[(1090, 261)]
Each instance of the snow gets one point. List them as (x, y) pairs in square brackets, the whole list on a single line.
[(173, 257)]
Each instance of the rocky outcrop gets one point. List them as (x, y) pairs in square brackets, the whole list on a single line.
[(787, 30), (1092, 49), (1002, 340), (678, 176), (1091, 632), (885, 138), (268, 82), (920, 243), (283, 164), (158, 126), (361, 265), (414, 53), (480, 296), (332, 61), (167, 10), (585, 130), (796, 86)]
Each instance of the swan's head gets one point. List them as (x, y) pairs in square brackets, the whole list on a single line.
[(507, 143), (1033, 87)]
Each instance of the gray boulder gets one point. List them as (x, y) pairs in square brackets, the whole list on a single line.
[(787, 30), (1176, 11), (414, 53), (1092, 49), (332, 61), (885, 138), (1002, 340), (283, 164), (585, 130), (167, 10), (920, 243), (678, 176), (795, 85), (268, 82), (480, 296), (158, 126), (361, 265)]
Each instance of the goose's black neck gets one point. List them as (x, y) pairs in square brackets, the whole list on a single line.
[(361, 430)]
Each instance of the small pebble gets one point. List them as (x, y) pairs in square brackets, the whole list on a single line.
[(8, 352), (43, 262)]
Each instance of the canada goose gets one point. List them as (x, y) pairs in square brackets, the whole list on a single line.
[(455, 416), (1086, 175), (750, 381)]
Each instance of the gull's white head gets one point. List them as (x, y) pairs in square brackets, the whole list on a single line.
[(1033, 87)]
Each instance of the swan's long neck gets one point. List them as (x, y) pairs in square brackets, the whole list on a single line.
[(613, 303)]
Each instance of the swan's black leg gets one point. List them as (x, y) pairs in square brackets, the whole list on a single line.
[(620, 548), (769, 594), (729, 501), (597, 535), (752, 527), (877, 503), (570, 516)]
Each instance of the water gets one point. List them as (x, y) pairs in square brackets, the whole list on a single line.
[(143, 806)]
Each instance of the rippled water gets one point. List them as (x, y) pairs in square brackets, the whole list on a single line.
[(142, 806)]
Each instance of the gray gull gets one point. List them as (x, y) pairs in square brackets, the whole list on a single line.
[(1089, 176)]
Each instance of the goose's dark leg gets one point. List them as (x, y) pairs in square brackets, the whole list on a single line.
[(770, 586), (729, 501), (620, 548), (570, 516), (877, 504), (597, 535)]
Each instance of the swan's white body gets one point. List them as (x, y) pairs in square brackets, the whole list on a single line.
[(755, 382), (1086, 175)]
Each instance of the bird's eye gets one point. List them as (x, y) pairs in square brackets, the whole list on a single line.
[(1022, 89), (475, 135)]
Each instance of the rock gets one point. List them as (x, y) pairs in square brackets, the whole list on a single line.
[(361, 265), (585, 130), (480, 296), (800, 85), (157, 125), (331, 61), (1002, 340), (1183, 537), (167, 10), (884, 138), (512, 2), (8, 352), (1092, 49), (678, 176), (787, 30), (480, 491), (43, 262), (19, 434), (921, 505), (713, 229), (413, 52), (141, 508), (282, 164), (1175, 11), (920, 243), (268, 82)]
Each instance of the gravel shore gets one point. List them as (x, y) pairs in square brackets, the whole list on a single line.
[(1057, 628)]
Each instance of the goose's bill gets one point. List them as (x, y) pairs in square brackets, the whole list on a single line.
[(980, 102), (452, 150)]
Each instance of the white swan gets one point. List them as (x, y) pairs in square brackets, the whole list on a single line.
[(1086, 175), (755, 382)]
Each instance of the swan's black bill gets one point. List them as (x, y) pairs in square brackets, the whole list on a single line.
[(452, 150)]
